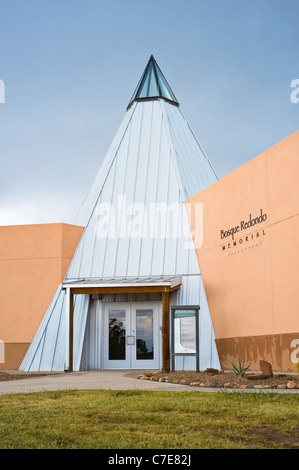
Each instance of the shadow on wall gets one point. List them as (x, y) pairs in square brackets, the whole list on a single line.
[(282, 351)]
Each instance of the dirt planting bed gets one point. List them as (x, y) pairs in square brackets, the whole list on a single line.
[(221, 379)]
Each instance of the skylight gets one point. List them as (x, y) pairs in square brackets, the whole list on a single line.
[(153, 85)]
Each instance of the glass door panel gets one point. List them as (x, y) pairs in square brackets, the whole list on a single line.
[(116, 330), (145, 328), (144, 334), (117, 335)]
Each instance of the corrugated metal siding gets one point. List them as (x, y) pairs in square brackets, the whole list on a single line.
[(195, 169), (157, 158), (154, 158), (47, 352), (32, 358), (92, 351)]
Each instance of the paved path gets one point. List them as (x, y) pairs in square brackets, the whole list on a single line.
[(87, 380), (105, 380)]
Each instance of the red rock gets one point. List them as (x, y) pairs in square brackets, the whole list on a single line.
[(266, 368), (212, 371), (257, 377)]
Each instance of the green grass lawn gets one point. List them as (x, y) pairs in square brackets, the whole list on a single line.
[(148, 420)]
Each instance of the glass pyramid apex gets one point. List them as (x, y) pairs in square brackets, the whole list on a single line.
[(153, 85)]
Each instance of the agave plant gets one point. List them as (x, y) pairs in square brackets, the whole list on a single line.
[(239, 369)]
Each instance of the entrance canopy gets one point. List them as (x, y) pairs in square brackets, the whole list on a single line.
[(117, 285)]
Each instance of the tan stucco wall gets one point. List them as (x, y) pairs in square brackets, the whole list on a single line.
[(33, 262), (253, 291)]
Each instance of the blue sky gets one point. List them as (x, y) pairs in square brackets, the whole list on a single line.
[(70, 67)]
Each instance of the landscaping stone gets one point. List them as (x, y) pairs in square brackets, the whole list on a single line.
[(266, 368), (148, 374), (291, 384), (266, 372), (226, 380), (257, 377), (212, 371)]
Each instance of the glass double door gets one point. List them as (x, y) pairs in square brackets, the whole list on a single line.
[(131, 336)]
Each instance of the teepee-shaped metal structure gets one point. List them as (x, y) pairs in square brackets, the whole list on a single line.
[(136, 248)]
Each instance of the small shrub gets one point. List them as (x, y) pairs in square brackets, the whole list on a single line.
[(239, 369)]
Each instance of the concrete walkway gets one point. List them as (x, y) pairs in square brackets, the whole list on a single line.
[(107, 380), (87, 380)]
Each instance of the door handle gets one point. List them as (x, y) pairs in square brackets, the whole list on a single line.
[(130, 340)]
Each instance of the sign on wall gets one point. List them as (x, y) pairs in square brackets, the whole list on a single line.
[(236, 241), (185, 341)]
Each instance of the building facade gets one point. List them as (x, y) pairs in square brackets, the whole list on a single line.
[(249, 258), (165, 266), (34, 260)]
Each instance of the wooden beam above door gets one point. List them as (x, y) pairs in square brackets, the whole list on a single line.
[(122, 290)]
